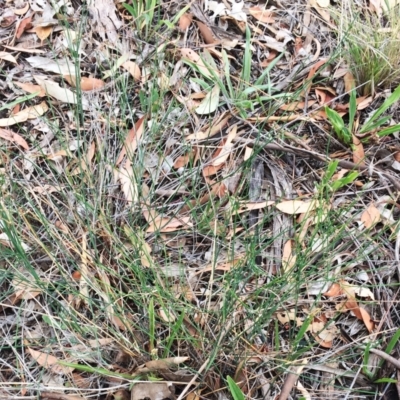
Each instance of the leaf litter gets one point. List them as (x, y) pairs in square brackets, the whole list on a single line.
[(160, 203)]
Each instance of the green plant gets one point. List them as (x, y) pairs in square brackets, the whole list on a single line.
[(374, 124), (235, 390)]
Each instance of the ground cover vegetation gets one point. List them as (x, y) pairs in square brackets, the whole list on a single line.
[(199, 200)]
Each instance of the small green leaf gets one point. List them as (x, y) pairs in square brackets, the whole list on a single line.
[(352, 109), (395, 96), (236, 392), (349, 178), (386, 380), (389, 130)]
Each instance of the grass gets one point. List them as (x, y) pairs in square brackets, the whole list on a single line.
[(86, 281), (371, 47)]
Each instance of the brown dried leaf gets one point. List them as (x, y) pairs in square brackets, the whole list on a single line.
[(184, 21), (133, 69), (86, 83), (132, 139), (14, 138), (27, 113), (165, 224), (24, 24), (8, 57), (192, 56), (43, 32), (206, 32), (23, 10), (288, 256), (334, 291), (296, 206), (31, 88), (266, 16), (370, 216), (358, 151), (213, 129), (49, 362)]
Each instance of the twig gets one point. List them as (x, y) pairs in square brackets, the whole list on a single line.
[(387, 357), (342, 163)]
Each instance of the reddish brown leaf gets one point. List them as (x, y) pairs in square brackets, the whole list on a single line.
[(14, 138), (24, 24), (184, 21), (86, 83), (358, 151), (206, 32)]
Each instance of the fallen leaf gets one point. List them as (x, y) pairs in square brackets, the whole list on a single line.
[(213, 130), (133, 69), (266, 16), (132, 140), (31, 88), (27, 113), (288, 256), (358, 151), (165, 224), (63, 67), (296, 206), (23, 10), (206, 32), (86, 83), (225, 148), (184, 21), (192, 56), (14, 138), (24, 24), (43, 32), (126, 177), (8, 57), (334, 291), (25, 289), (64, 95), (151, 391), (370, 216), (210, 103), (49, 362), (182, 161), (210, 170), (254, 206)]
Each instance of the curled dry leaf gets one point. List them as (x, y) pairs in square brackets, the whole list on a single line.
[(27, 113), (49, 362), (14, 138), (165, 224), (23, 10), (225, 148), (165, 363), (25, 289), (182, 161), (370, 216)]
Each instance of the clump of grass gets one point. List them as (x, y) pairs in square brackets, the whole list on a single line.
[(371, 46)]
